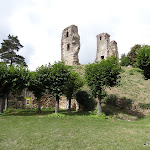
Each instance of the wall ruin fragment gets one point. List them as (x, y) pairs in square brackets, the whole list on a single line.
[(70, 45), (105, 48)]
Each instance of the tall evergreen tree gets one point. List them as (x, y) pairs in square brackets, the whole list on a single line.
[(8, 51)]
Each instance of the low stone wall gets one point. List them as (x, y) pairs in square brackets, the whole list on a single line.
[(47, 101)]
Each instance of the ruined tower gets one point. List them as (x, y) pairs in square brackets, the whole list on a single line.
[(105, 48), (70, 45)]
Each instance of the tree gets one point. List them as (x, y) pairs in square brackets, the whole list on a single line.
[(74, 83), (143, 60), (100, 75), (8, 51), (125, 61), (12, 79), (132, 54), (58, 78), (36, 85), (3, 73)]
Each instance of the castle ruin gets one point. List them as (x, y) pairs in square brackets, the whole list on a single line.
[(105, 48), (70, 45)]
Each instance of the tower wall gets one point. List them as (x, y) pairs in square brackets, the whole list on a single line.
[(70, 45), (113, 49), (105, 48), (102, 46)]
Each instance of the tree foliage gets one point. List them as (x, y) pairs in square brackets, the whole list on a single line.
[(132, 54), (100, 75), (125, 61), (12, 79), (143, 60), (85, 100), (75, 82), (36, 83), (8, 51), (58, 78)]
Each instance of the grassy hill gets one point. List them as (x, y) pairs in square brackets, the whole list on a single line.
[(133, 87)]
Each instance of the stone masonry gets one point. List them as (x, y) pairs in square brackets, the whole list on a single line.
[(70, 45), (105, 48)]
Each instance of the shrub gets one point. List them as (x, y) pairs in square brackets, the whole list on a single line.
[(100, 116), (85, 100), (143, 60), (111, 100), (124, 103), (56, 115), (132, 55), (133, 70), (144, 106), (125, 61)]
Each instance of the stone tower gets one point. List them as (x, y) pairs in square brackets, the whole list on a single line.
[(70, 45), (105, 48)]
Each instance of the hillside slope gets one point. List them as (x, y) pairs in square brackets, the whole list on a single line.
[(132, 86)]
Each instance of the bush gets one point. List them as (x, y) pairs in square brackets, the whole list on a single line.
[(100, 116), (125, 61), (133, 70), (144, 106), (124, 103), (143, 60), (85, 100), (132, 55), (111, 100), (56, 115)]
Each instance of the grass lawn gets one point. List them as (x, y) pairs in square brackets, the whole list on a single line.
[(25, 130)]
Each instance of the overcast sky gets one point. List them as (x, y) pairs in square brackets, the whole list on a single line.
[(39, 25)]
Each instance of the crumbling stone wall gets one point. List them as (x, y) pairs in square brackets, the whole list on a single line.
[(113, 49), (70, 45), (105, 48)]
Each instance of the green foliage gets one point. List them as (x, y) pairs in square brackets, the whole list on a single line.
[(3, 77), (133, 53), (134, 70), (143, 60), (122, 70), (75, 82), (5, 113), (124, 103), (84, 99), (58, 78), (9, 49), (12, 78), (35, 84), (102, 74), (100, 116), (125, 61), (56, 115), (144, 106), (111, 100)]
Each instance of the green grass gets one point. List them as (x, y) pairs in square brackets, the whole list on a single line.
[(24, 129), (133, 86)]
